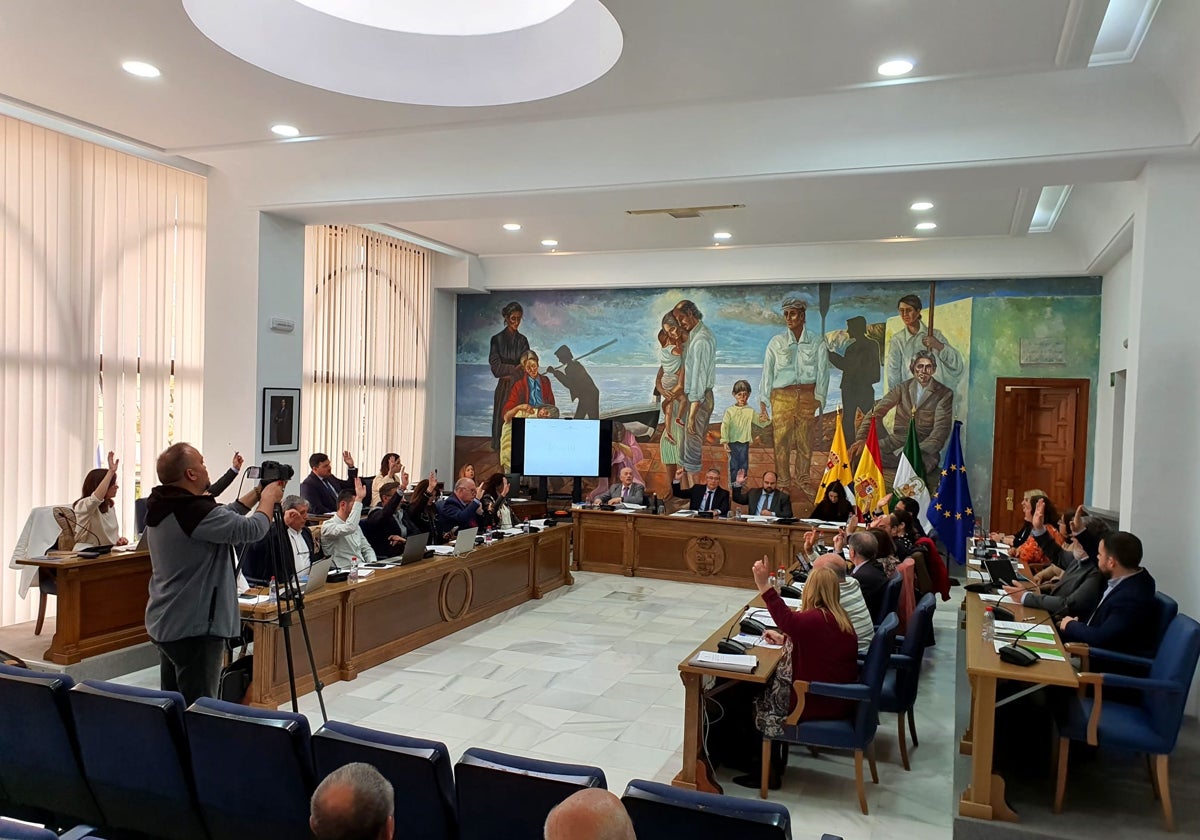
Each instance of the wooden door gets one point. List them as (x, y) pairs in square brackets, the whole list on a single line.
[(1040, 442)]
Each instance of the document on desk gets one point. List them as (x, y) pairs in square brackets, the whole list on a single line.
[(121, 549), (761, 519), (1033, 631), (684, 513), (442, 549), (985, 596), (742, 663), (750, 640), (629, 506), (1043, 651), (253, 600), (762, 616)]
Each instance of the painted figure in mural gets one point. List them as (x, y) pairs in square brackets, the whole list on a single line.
[(578, 383), (922, 397), (505, 358), (737, 428), (669, 386), (860, 367), (700, 366), (795, 377), (530, 397), (905, 344)]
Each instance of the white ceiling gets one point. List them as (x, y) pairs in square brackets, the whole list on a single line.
[(774, 104)]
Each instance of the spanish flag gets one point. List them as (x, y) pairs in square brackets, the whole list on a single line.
[(837, 468), (869, 488)]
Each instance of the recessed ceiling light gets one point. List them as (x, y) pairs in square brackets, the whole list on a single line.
[(512, 227), (141, 68), (921, 205), (926, 226), (895, 67), (550, 243), (722, 235), (285, 130)]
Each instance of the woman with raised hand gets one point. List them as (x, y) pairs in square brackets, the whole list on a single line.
[(95, 512)]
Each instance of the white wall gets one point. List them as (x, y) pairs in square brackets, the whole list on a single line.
[(1114, 332)]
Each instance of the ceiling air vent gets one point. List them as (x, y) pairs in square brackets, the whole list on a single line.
[(685, 212)]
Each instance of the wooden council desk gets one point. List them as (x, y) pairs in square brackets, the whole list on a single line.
[(101, 603), (984, 797), (717, 551), (355, 627)]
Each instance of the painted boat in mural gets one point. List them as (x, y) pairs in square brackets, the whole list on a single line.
[(642, 419)]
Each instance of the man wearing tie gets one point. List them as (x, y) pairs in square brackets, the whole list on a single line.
[(710, 496), (767, 501), (321, 487), (626, 490)]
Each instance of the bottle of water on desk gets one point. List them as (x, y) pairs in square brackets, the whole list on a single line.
[(273, 592), (353, 571), (989, 625)]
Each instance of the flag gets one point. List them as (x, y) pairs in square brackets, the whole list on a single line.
[(837, 468), (868, 478), (910, 475), (953, 516)]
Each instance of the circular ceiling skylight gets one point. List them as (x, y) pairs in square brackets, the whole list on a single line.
[(337, 52), (443, 17)]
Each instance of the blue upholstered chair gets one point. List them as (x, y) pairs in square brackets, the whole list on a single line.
[(1168, 608), (134, 750), (899, 692), (509, 796), (11, 830), (891, 597), (253, 769), (419, 770), (855, 733), (1149, 726), (659, 810), (39, 763)]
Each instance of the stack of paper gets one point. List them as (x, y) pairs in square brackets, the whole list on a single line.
[(1033, 632), (684, 513), (742, 663)]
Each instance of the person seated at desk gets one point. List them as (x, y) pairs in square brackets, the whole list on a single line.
[(422, 510), (390, 469), (321, 487), (835, 506), (1127, 616), (1074, 584), (767, 500), (709, 496), (625, 490), (461, 509), (341, 536), (385, 526), (849, 592), (256, 558), (824, 648), (494, 510), (871, 577), (95, 514)]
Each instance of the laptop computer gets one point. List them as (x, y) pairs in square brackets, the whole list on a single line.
[(1001, 571), (465, 541), (414, 549)]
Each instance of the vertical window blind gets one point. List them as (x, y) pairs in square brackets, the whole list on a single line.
[(366, 346), (102, 255)]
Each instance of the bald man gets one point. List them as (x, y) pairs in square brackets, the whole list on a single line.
[(354, 802), (590, 814), (852, 599)]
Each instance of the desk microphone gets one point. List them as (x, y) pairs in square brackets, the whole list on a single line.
[(1014, 654), (728, 644), (1000, 613)]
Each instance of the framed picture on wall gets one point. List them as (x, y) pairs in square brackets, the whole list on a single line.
[(281, 420)]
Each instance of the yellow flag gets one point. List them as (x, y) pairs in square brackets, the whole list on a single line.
[(868, 478), (837, 468)]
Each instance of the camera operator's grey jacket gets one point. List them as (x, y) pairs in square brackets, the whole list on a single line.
[(193, 591)]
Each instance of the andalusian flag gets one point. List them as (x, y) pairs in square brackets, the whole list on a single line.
[(910, 475), (868, 478), (837, 468)]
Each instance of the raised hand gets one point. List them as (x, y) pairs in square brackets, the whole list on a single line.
[(741, 477), (810, 541), (360, 490), (839, 541), (432, 480), (762, 573), (678, 474), (403, 479), (238, 460), (113, 462), (1039, 515), (348, 459)]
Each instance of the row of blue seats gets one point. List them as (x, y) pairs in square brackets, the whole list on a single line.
[(135, 763)]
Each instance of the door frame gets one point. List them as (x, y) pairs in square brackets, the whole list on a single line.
[(1079, 466)]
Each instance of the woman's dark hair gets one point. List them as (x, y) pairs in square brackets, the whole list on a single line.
[(492, 486), (1051, 511), (383, 462), (420, 498), (886, 547), (903, 518), (909, 504), (90, 482)]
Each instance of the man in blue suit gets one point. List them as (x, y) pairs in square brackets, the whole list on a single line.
[(321, 487), (1127, 616)]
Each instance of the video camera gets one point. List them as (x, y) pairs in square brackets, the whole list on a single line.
[(272, 471)]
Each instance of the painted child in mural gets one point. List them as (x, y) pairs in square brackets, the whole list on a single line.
[(530, 396), (700, 366), (860, 367), (669, 382), (504, 356), (737, 428)]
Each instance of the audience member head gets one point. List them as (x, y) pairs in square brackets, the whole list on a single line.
[(295, 512), (464, 488), (1087, 541), (1051, 512), (320, 464), (822, 591), (345, 501), (863, 547), (1120, 554), (770, 481), (467, 471), (910, 505), (901, 523), (181, 465), (354, 802), (712, 479), (92, 480), (494, 486), (387, 462), (1027, 505), (512, 313), (589, 814), (387, 490), (836, 562), (883, 541)]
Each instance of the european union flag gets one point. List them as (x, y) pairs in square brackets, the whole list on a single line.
[(951, 513)]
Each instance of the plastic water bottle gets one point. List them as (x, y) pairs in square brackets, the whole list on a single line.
[(273, 592), (654, 503), (525, 525), (773, 583), (353, 570), (989, 625), (781, 577)]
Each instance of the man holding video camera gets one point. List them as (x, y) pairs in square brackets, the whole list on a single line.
[(193, 606)]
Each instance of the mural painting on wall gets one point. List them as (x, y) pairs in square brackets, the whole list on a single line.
[(750, 380)]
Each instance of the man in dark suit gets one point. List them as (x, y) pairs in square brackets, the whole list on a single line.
[(625, 490), (320, 487), (385, 527), (461, 508), (707, 496), (256, 558), (768, 500), (1127, 616), (871, 577)]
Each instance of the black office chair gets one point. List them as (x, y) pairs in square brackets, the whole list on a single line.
[(659, 810)]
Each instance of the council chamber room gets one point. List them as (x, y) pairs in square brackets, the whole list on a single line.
[(599, 419)]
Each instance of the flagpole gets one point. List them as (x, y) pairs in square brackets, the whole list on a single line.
[(932, 303)]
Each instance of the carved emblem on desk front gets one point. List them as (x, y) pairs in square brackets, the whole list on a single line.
[(704, 556)]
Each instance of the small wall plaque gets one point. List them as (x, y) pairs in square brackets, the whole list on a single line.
[(1043, 351)]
